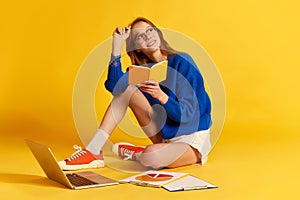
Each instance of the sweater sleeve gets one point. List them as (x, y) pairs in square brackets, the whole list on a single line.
[(183, 106), (116, 81)]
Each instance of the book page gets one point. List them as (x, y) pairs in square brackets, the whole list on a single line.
[(138, 74), (158, 72), (188, 183), (153, 178)]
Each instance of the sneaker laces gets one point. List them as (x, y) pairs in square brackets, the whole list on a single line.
[(79, 152), (127, 154)]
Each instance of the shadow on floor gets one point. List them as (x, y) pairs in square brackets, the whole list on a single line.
[(28, 179)]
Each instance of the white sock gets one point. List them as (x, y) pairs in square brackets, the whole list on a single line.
[(97, 142)]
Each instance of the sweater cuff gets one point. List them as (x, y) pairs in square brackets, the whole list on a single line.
[(114, 60), (171, 107)]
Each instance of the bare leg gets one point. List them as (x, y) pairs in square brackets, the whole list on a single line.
[(169, 155), (147, 118), (159, 154), (116, 110)]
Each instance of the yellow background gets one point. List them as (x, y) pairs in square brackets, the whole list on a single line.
[(255, 45)]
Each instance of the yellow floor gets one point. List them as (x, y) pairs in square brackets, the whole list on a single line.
[(245, 164), (255, 45)]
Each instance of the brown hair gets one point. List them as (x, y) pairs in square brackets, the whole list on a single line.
[(138, 57)]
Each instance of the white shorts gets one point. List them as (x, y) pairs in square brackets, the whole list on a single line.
[(199, 140)]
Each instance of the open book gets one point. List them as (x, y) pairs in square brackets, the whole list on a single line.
[(171, 181), (139, 74)]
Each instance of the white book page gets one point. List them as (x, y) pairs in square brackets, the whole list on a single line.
[(188, 183), (153, 178)]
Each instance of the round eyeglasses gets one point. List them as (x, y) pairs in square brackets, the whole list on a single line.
[(140, 38)]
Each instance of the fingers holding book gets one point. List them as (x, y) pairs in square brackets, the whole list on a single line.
[(152, 87)]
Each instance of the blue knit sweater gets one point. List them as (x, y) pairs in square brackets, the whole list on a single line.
[(188, 107)]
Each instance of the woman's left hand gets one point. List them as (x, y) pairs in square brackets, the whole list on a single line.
[(152, 87)]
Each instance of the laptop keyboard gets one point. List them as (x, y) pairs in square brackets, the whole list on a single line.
[(78, 180)]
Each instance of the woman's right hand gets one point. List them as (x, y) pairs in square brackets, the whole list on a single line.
[(120, 34)]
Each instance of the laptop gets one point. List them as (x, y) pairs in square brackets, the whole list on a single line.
[(77, 180)]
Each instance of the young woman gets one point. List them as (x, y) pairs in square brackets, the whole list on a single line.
[(175, 114)]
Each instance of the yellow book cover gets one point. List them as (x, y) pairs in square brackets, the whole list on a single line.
[(139, 74)]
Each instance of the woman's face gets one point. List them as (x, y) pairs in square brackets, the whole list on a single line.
[(145, 37)]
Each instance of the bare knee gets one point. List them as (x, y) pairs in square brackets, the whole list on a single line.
[(151, 157), (137, 99), (169, 155)]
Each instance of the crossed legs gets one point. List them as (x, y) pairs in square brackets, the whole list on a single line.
[(159, 154)]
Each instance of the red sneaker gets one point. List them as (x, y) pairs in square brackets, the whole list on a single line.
[(127, 151), (82, 159)]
